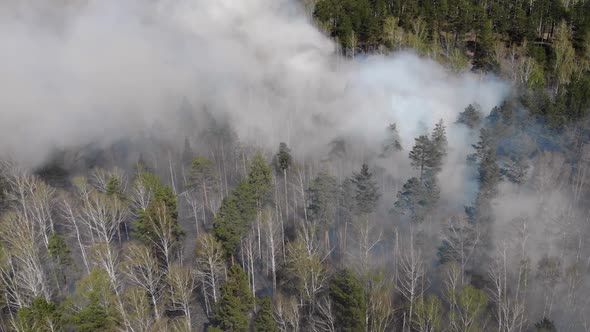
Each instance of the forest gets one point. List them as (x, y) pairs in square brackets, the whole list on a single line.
[(295, 165)]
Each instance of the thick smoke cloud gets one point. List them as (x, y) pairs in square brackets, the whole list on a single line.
[(97, 71)]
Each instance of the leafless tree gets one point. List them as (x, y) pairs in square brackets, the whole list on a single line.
[(461, 239), (142, 270), (272, 234), (380, 303), (410, 283), (209, 266), (163, 229), (324, 319), (305, 269), (287, 313), (182, 282), (22, 271), (510, 313), (139, 309)]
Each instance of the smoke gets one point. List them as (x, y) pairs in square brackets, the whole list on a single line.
[(80, 72)]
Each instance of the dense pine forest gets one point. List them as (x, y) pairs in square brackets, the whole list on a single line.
[(289, 165)]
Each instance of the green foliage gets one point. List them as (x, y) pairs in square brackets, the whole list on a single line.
[(160, 215), (114, 188), (564, 55), (202, 171), (420, 155), (471, 117), (264, 320), (484, 47), (260, 179), (472, 304), (92, 307), (229, 226), (235, 303), (58, 250), (282, 160), (239, 209), (428, 313), (439, 143), (428, 152), (323, 194), (41, 316), (348, 299), (366, 191), (417, 198)]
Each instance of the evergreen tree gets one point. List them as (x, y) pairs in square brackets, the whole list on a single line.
[(282, 160), (420, 154), (428, 153), (264, 320), (235, 303), (61, 256), (114, 188), (545, 325), (41, 316), (229, 226), (392, 142), (202, 172), (440, 143), (260, 179), (417, 198), (202, 177), (92, 306), (471, 117), (322, 193), (323, 201), (484, 46), (366, 191), (159, 216), (58, 250), (348, 298)]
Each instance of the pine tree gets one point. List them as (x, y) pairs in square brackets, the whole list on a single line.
[(92, 306), (260, 179), (58, 250), (202, 179), (323, 202), (41, 316), (348, 298), (440, 144), (160, 218), (484, 46), (392, 142), (417, 198), (545, 325), (282, 160), (420, 154), (366, 191), (229, 226), (264, 320), (61, 256), (471, 117), (235, 303), (114, 188)]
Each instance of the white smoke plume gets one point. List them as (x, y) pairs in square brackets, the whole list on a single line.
[(80, 72)]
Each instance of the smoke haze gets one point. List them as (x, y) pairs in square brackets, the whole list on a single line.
[(99, 71)]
